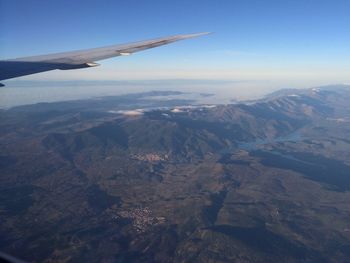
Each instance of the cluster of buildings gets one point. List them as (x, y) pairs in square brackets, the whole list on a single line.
[(141, 218), (150, 157)]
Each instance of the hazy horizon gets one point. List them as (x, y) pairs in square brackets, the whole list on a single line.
[(19, 92)]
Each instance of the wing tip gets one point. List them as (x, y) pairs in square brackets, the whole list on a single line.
[(196, 34)]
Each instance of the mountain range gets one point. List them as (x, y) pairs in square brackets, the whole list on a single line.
[(134, 179)]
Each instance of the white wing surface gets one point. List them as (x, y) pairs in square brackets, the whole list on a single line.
[(79, 59)]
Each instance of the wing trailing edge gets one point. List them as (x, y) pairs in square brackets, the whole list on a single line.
[(81, 58)]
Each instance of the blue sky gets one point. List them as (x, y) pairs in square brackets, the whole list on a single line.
[(275, 40)]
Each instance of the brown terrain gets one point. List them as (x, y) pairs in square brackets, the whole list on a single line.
[(262, 181)]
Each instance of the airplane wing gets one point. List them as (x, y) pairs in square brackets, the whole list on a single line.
[(79, 59)]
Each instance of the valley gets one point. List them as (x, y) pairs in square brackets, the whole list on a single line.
[(131, 179)]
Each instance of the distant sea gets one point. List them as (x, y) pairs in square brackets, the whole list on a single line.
[(17, 92)]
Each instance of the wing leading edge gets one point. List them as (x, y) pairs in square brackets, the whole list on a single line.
[(79, 59)]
